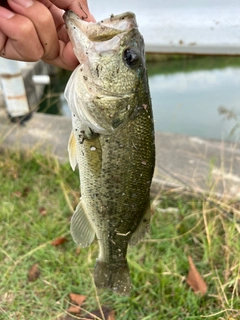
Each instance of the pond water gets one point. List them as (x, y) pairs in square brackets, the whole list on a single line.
[(194, 96)]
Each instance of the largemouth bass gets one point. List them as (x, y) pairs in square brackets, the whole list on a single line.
[(112, 141)]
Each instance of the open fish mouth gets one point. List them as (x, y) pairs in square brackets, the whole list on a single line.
[(105, 29), (100, 35), (105, 50)]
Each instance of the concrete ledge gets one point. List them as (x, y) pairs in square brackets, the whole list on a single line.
[(181, 161), (43, 133), (201, 165)]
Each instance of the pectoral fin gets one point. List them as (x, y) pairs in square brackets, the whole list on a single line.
[(81, 228), (72, 151), (141, 229)]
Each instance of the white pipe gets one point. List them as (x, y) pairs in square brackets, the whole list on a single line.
[(13, 88), (41, 79)]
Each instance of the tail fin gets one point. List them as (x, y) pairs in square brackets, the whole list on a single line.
[(112, 277)]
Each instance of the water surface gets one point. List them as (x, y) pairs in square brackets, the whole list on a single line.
[(187, 96)]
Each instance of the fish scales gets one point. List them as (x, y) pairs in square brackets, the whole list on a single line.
[(113, 145)]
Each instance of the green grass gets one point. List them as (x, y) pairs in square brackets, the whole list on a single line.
[(31, 184)]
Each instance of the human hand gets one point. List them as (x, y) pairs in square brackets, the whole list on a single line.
[(31, 30)]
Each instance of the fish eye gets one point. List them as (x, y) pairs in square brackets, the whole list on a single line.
[(131, 57)]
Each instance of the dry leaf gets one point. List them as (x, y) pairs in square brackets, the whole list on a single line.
[(13, 174), (42, 211), (58, 241), (77, 298), (111, 316), (74, 309), (78, 250), (33, 273), (25, 192), (22, 194), (17, 194), (194, 279)]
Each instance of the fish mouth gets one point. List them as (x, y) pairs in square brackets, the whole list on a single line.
[(99, 31), (91, 41), (104, 35)]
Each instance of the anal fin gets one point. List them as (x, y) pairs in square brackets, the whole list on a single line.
[(81, 229)]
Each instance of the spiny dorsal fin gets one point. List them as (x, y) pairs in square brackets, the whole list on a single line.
[(81, 229), (72, 151)]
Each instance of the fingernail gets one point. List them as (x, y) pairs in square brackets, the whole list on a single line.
[(5, 13), (24, 3)]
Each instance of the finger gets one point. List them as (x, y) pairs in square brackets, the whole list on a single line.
[(42, 22), (21, 50), (14, 42), (57, 8), (66, 59), (80, 7), (57, 15)]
